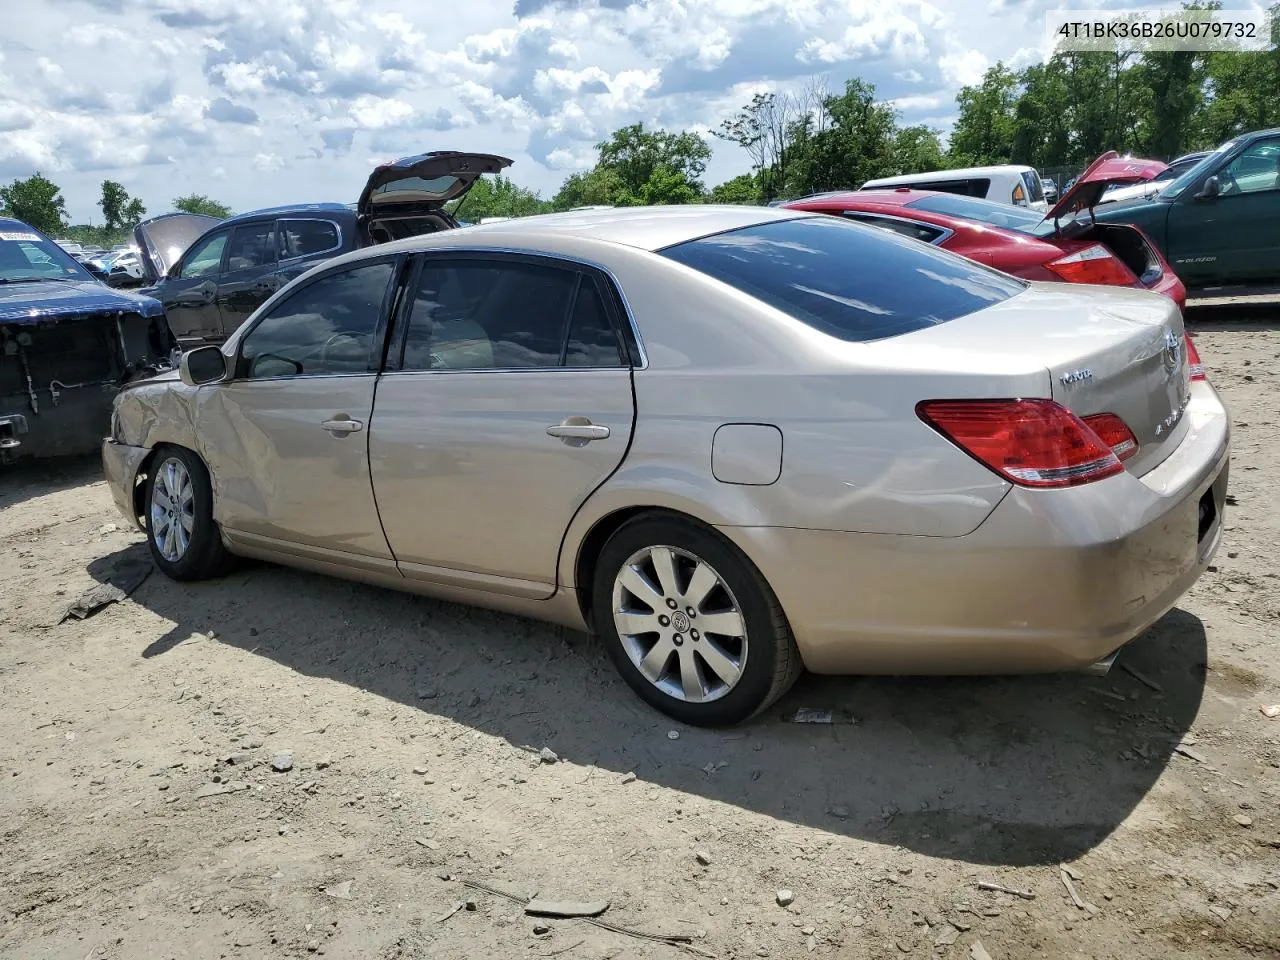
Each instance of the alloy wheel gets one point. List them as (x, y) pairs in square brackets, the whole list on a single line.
[(680, 624), (172, 509)]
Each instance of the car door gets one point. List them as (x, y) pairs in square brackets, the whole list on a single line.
[(507, 402), (1231, 237), (286, 437), (247, 280), (189, 292)]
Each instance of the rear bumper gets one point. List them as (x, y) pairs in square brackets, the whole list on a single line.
[(1052, 580), (120, 463)]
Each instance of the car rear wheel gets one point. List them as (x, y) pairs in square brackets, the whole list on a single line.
[(183, 537), (690, 623)]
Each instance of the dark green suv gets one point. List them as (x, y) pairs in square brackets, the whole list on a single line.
[(1218, 224)]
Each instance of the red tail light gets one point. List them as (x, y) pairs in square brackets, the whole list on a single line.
[(1093, 264), (1115, 433), (1193, 362), (1033, 443)]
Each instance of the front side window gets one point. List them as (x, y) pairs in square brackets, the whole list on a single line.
[(327, 327), (252, 245), (506, 315), (206, 258), (846, 280), (1256, 170), (304, 238)]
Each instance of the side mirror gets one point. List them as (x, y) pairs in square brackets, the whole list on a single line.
[(202, 365), (1210, 190)]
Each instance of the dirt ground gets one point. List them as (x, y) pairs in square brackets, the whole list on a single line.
[(142, 817)]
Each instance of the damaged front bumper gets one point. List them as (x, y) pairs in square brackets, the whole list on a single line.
[(60, 373)]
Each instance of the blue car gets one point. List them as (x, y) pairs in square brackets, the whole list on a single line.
[(67, 343)]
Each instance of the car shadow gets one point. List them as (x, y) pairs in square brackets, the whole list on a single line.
[(1004, 770), (25, 479)]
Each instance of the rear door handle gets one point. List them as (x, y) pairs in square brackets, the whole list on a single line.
[(341, 427), (578, 431)]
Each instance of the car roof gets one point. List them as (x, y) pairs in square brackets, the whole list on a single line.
[(1004, 168), (6, 222), (289, 210), (646, 228)]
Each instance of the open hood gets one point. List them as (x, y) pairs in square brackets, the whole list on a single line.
[(164, 239), (428, 181), (1107, 169)]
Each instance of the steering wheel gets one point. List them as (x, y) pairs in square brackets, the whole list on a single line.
[(1227, 182)]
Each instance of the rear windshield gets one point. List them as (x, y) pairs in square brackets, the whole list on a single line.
[(984, 211), (850, 281)]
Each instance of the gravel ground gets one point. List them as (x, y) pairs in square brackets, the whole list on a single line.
[(280, 764)]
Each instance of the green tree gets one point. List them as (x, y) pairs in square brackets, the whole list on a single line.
[(650, 162), (742, 189), (844, 141), (199, 203), (983, 133), (499, 197), (119, 210), (917, 149), (596, 187), (36, 201)]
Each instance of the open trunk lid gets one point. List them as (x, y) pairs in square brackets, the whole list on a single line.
[(164, 239), (427, 181), (1106, 350), (1107, 169)]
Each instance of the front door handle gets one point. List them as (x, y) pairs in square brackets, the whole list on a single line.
[(578, 431), (343, 425)]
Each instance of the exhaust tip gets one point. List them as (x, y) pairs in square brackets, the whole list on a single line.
[(1101, 668)]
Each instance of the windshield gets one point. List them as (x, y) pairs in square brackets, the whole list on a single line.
[(1175, 189), (1002, 215), (25, 255), (849, 281)]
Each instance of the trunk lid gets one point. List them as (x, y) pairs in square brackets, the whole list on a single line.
[(1106, 349), (1107, 169), (164, 239), (426, 181)]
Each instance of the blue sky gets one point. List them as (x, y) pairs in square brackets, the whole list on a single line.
[(277, 101)]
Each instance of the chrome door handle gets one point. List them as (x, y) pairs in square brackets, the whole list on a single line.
[(342, 427), (578, 431)]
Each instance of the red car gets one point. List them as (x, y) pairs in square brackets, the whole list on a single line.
[(1020, 241)]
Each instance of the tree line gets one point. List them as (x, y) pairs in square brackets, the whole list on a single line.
[(1058, 115)]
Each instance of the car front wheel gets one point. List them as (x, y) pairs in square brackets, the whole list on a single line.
[(690, 623), (183, 537)]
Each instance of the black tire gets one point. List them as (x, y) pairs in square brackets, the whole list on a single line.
[(204, 557), (772, 662)]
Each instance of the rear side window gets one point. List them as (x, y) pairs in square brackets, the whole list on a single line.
[(971, 187), (507, 315), (252, 245), (907, 228), (847, 280), (303, 238)]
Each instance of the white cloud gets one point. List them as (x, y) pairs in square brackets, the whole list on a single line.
[(274, 102), (964, 69)]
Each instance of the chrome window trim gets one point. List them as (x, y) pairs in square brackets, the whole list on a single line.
[(628, 313), (946, 234), (333, 223)]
